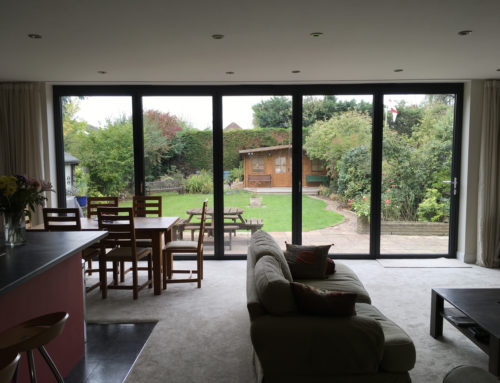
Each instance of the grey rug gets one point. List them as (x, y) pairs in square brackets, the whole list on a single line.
[(203, 334), (416, 263)]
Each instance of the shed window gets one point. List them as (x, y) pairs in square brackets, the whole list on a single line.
[(280, 165), (258, 164), (317, 166)]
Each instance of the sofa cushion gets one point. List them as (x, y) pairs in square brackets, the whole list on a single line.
[(344, 279), (330, 266), (273, 290), (310, 300), (468, 374), (399, 350), (263, 244), (307, 261)]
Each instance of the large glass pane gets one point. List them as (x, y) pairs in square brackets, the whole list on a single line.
[(416, 173), (178, 158), (257, 169), (336, 172), (98, 147)]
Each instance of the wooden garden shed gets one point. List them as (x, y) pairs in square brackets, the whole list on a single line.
[(272, 167)]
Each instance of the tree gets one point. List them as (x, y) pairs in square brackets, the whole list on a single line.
[(168, 124), (159, 130), (408, 118), (108, 155), (329, 140), (417, 162), (355, 173), (273, 113), (72, 128), (444, 99), (324, 108)]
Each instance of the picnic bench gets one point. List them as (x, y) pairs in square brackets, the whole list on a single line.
[(258, 178), (231, 213), (164, 186), (321, 178)]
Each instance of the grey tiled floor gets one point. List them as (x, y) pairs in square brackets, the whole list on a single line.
[(110, 352)]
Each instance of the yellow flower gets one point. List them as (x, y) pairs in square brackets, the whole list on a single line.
[(11, 186), (3, 181)]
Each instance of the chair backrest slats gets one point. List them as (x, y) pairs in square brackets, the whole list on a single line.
[(119, 223), (95, 202), (147, 205), (61, 219)]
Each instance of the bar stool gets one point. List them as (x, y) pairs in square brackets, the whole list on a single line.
[(34, 334), (8, 365)]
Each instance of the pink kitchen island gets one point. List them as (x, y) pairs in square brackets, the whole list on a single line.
[(44, 276)]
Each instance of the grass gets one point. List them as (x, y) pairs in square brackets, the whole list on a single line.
[(276, 209)]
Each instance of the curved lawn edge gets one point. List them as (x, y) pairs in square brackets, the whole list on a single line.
[(276, 209)]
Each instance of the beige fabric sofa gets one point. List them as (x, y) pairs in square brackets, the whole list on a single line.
[(293, 347)]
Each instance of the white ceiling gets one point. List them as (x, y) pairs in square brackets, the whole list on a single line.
[(170, 41)]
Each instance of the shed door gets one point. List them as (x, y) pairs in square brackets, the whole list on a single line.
[(282, 170)]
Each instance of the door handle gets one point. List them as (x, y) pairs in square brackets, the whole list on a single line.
[(455, 184)]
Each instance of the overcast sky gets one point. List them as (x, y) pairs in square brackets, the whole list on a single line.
[(195, 110)]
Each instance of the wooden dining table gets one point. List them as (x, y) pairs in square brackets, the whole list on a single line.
[(145, 228)]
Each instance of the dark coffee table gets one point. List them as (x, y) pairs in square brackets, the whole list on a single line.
[(477, 317)]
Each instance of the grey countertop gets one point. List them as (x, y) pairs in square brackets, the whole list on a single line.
[(41, 251)]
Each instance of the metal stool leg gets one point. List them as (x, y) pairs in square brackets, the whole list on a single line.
[(51, 364), (14, 378), (31, 363)]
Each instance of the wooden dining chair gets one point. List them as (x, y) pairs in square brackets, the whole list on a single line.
[(144, 206), (147, 206), (119, 223), (68, 219), (95, 202), (189, 247)]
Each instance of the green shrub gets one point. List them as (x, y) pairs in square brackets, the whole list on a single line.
[(328, 191), (200, 183), (354, 172), (432, 208), (361, 205), (236, 174)]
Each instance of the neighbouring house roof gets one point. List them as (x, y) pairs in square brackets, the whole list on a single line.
[(233, 126), (265, 149), (69, 159)]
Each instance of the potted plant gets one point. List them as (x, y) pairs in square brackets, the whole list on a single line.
[(361, 206), (255, 200), (81, 182), (19, 195)]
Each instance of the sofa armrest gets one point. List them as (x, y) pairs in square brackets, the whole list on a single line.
[(310, 345)]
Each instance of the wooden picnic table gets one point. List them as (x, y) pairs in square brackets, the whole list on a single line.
[(235, 214)]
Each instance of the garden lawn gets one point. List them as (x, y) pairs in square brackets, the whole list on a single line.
[(276, 209)]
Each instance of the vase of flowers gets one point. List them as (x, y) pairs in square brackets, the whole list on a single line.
[(19, 195)]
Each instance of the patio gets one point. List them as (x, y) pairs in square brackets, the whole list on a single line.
[(344, 236)]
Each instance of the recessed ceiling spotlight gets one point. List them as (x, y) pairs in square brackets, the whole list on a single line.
[(465, 32), (296, 71), (102, 72), (316, 34), (398, 70), (229, 72), (218, 37), (34, 36)]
